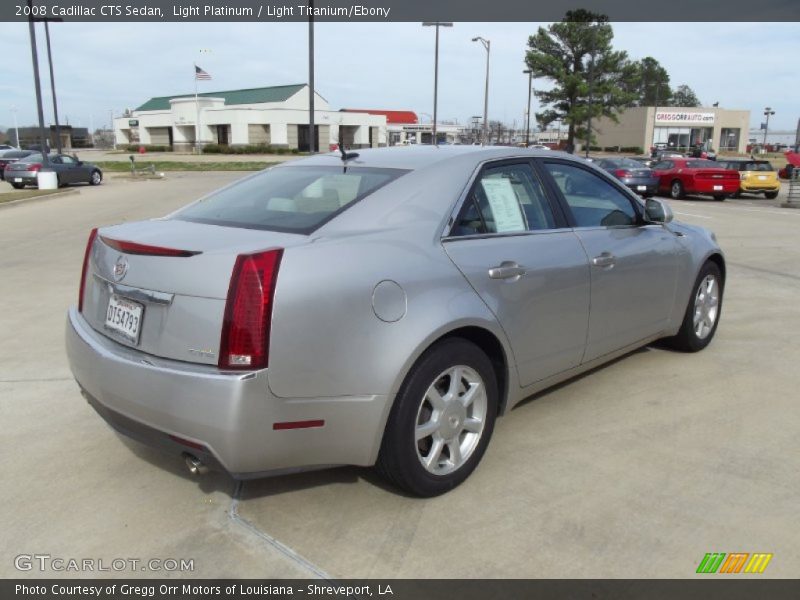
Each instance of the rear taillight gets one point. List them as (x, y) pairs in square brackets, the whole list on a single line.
[(86, 255), (248, 311), (34, 167), (622, 173)]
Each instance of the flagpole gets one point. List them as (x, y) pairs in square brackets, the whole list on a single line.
[(197, 111)]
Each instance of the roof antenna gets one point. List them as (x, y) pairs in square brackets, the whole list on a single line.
[(347, 155)]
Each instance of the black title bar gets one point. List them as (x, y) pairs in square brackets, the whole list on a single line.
[(401, 10)]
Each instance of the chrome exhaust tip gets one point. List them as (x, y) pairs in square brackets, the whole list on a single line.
[(195, 465)]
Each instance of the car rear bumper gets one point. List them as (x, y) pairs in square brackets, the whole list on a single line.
[(647, 185), (26, 177), (708, 188), (771, 186), (228, 419)]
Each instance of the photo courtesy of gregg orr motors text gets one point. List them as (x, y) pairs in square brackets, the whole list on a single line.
[(44, 563)]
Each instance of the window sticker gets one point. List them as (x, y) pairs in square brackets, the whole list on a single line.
[(505, 206)]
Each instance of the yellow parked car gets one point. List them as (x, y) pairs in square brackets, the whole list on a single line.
[(755, 176)]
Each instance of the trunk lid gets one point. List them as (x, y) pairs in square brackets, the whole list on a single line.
[(174, 304)]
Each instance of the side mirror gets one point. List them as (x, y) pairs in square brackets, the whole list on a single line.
[(656, 211)]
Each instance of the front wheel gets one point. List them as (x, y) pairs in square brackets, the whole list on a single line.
[(703, 311), (96, 178), (441, 421), (676, 190)]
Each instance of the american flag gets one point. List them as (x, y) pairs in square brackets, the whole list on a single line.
[(199, 74)]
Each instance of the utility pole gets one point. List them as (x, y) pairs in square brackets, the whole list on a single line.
[(436, 24), (767, 113), (487, 46), (52, 85), (312, 145), (528, 121), (16, 125), (38, 86)]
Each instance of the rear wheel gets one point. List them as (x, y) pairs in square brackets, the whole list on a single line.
[(771, 195), (442, 420), (703, 311), (18, 186), (95, 178), (676, 190)]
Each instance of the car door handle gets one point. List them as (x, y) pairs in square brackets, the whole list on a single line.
[(508, 269), (606, 259)]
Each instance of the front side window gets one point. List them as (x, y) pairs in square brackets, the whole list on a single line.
[(505, 199), (593, 201), (289, 199)]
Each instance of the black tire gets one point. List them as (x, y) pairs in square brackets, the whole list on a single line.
[(770, 195), (719, 197), (737, 194), (59, 182), (95, 178), (400, 458), (676, 190), (17, 186), (687, 339)]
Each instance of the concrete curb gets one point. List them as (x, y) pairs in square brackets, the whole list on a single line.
[(58, 194)]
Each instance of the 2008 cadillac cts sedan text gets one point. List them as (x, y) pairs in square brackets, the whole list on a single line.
[(378, 309)]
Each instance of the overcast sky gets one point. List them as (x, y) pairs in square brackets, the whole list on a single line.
[(100, 67)]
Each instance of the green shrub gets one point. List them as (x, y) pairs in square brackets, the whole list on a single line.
[(632, 150)]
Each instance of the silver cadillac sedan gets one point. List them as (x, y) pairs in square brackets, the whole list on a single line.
[(380, 308)]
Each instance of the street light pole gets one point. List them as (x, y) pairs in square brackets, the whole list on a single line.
[(38, 87), (436, 24), (16, 126), (528, 120), (312, 142), (52, 85), (767, 112), (487, 45)]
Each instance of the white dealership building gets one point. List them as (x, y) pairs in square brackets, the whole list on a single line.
[(277, 116)]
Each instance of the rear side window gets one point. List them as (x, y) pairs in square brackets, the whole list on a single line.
[(505, 199), (289, 199), (593, 201)]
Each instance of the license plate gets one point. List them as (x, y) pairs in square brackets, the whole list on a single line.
[(762, 177), (641, 188), (17, 179), (717, 188), (124, 317)]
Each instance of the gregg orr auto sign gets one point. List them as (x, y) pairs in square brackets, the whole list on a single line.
[(684, 117)]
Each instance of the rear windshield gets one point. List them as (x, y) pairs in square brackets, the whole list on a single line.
[(290, 199), (703, 164), (626, 163), (757, 166)]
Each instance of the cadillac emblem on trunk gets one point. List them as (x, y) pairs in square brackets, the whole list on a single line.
[(120, 268)]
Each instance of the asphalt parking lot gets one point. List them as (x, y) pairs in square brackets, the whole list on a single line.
[(634, 470)]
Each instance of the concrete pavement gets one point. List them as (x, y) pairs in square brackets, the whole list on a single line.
[(634, 470)]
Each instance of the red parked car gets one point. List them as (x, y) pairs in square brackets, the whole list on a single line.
[(681, 176)]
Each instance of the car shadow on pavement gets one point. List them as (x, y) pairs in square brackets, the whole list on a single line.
[(545, 392), (213, 481)]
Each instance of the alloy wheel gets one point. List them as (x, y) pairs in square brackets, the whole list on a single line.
[(706, 306), (450, 420)]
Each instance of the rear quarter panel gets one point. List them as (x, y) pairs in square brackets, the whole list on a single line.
[(326, 339)]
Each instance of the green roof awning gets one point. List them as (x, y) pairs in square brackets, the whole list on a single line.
[(277, 93)]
